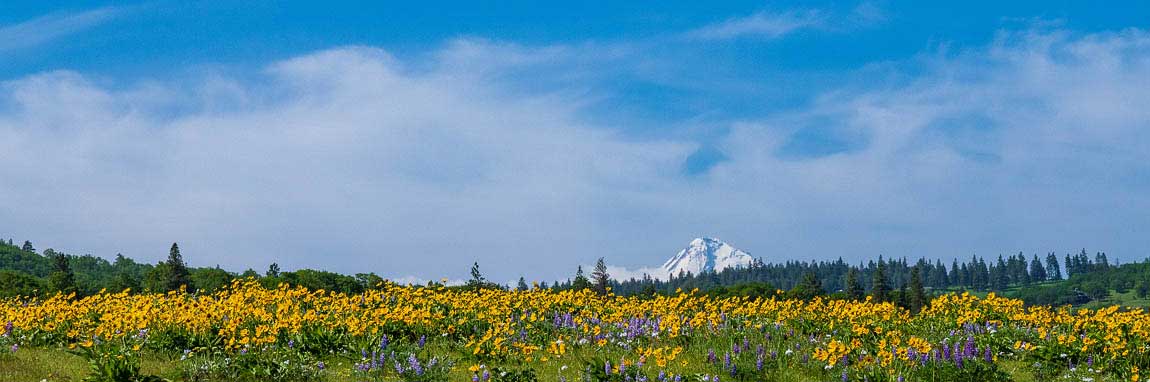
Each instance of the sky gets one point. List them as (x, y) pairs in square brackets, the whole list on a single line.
[(413, 139)]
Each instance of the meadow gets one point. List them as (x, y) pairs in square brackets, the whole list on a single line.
[(406, 333)]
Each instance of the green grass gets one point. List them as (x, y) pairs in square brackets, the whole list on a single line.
[(52, 365)]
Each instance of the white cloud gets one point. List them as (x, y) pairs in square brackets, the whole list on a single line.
[(760, 24), (354, 160), (52, 26)]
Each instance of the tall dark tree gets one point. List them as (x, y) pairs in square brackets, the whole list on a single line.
[(522, 286), (880, 285), (599, 276), (917, 298), (477, 280), (273, 270), (178, 274), (1052, 269), (1037, 271), (809, 288), (854, 289), (27, 247), (581, 281), (62, 279)]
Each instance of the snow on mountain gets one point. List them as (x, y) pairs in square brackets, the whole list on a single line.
[(706, 254)]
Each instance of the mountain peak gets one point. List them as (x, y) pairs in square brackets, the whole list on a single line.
[(706, 254)]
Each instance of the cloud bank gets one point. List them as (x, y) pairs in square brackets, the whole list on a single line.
[(353, 160)]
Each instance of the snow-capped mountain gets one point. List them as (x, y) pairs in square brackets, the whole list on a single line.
[(706, 254)]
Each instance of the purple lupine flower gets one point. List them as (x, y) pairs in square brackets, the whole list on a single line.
[(475, 378), (845, 378), (711, 356), (413, 363), (727, 359), (383, 342), (1089, 360), (622, 366), (759, 363), (291, 344), (362, 353), (607, 367), (398, 367), (8, 328), (901, 379), (734, 370), (678, 378), (988, 356), (958, 361), (422, 341), (320, 365), (486, 375), (662, 376), (15, 347)]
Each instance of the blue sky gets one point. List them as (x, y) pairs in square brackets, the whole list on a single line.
[(411, 139)]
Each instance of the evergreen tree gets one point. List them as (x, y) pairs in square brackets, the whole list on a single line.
[(808, 288), (1101, 262), (522, 284), (1052, 269), (880, 287), (273, 270), (854, 289), (28, 247), (1037, 271), (917, 298), (581, 281), (178, 274), (599, 276), (62, 279), (477, 280), (1000, 279)]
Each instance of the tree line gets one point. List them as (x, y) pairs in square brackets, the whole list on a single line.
[(1079, 278)]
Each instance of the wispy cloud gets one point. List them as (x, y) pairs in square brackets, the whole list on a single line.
[(774, 24), (53, 26), (761, 25)]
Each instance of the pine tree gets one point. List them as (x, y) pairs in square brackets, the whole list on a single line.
[(477, 280), (917, 298), (854, 289), (808, 288), (581, 281), (273, 270), (61, 279), (178, 274), (599, 276), (1052, 269), (522, 286), (1037, 271), (880, 287), (28, 247)]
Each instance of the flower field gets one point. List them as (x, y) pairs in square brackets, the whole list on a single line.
[(395, 333)]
